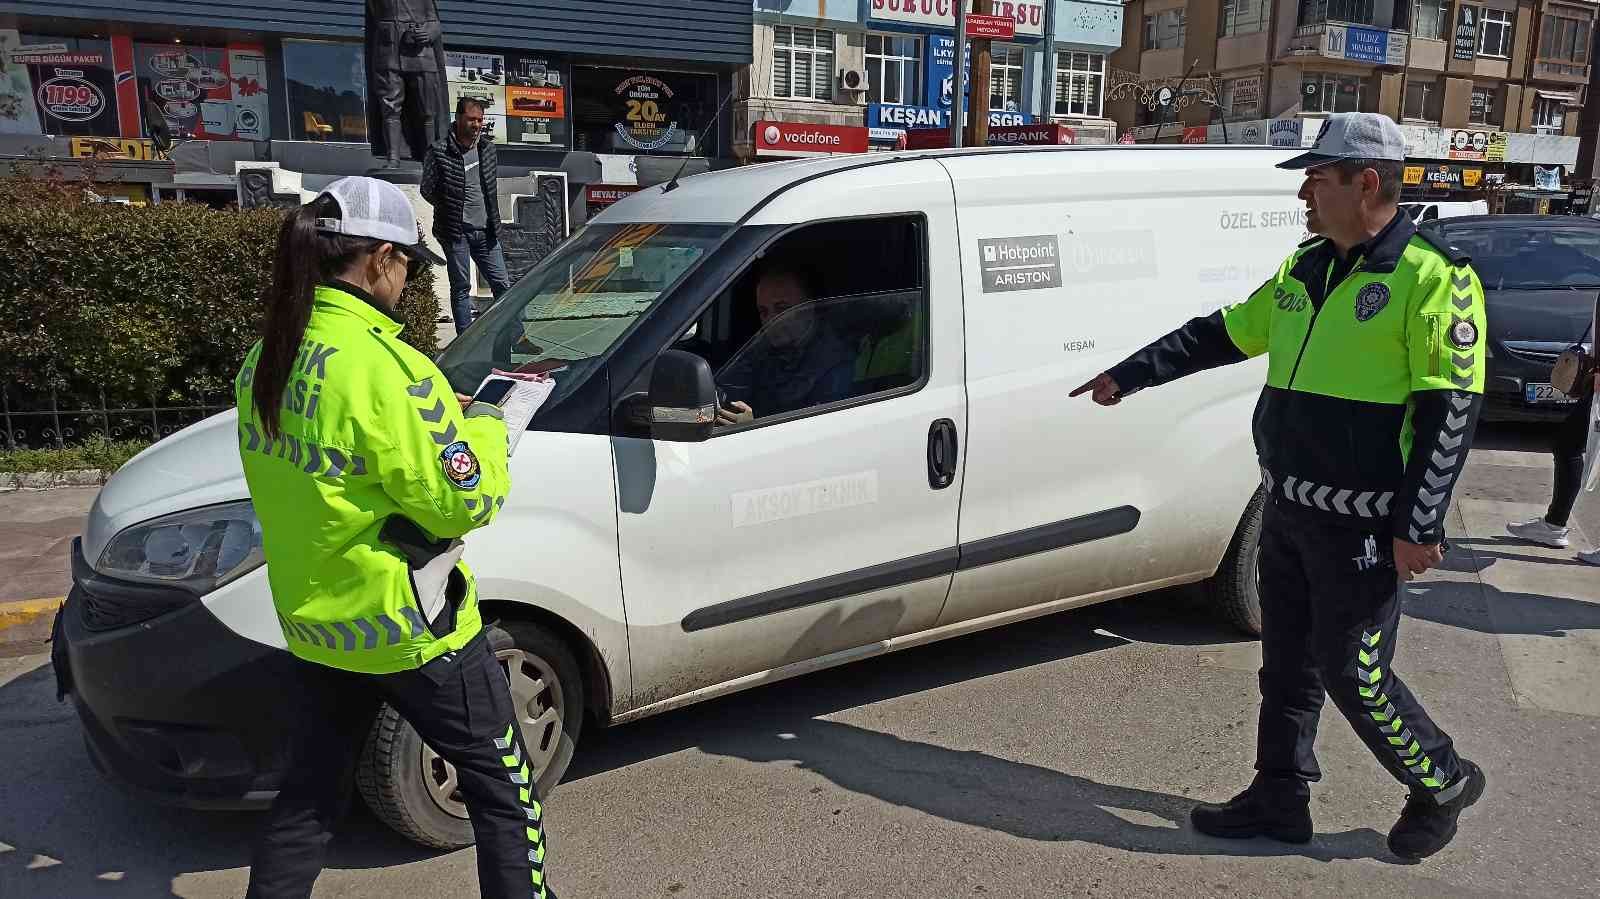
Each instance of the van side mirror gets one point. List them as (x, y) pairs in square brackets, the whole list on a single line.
[(683, 398)]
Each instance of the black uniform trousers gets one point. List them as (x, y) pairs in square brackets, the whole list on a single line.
[(460, 704), (1330, 611)]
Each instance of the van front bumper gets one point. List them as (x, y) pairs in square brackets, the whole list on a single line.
[(175, 707)]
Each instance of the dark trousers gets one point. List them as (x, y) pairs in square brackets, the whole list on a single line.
[(1571, 438), (472, 246), (461, 706), (1330, 611)]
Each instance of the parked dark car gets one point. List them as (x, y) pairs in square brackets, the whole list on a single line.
[(1540, 275)]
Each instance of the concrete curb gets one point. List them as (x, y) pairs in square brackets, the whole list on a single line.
[(46, 480), (28, 621)]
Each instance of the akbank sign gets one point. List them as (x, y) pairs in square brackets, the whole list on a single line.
[(884, 115)]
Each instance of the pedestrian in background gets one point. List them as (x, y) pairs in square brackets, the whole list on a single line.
[(460, 179), (1374, 381), (1568, 443), (363, 556)]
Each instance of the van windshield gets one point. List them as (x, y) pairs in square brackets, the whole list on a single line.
[(570, 310)]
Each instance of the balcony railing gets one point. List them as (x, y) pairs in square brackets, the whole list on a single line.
[(1557, 69)]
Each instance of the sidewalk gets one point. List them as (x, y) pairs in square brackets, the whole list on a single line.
[(36, 532)]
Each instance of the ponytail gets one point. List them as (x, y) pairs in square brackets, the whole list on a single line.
[(305, 258)]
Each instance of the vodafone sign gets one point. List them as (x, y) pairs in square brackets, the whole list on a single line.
[(1028, 14), (806, 139)]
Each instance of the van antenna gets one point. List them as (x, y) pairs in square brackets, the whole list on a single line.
[(673, 184)]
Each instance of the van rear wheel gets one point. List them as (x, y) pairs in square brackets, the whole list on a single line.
[(414, 791), (1236, 587)]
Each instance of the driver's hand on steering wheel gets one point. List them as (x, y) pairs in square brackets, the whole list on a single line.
[(735, 413)]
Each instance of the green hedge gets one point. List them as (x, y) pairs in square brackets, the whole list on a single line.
[(154, 302)]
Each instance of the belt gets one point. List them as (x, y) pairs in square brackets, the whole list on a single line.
[(1357, 503)]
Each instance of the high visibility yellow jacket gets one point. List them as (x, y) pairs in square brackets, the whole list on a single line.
[(1375, 377), (370, 430)]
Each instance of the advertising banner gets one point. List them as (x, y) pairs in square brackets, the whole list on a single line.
[(18, 115), (1465, 47), (889, 115), (74, 86), (1028, 14), (536, 102), (483, 76)]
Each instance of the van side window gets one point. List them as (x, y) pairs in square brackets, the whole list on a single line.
[(830, 314)]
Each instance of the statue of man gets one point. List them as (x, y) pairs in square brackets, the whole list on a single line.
[(406, 99)]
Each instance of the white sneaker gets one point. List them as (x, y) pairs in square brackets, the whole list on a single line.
[(1592, 557), (1539, 531)]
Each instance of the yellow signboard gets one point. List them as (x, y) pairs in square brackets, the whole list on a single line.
[(113, 148), (1471, 178), (1412, 174)]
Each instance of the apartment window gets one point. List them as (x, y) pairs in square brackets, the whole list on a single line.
[(1549, 115), (802, 63), (1165, 30), (1422, 101), (1317, 12), (1430, 19), (1242, 17), (1005, 77), (1080, 80), (1482, 109), (893, 64), (1496, 33), (1564, 39), (1330, 92)]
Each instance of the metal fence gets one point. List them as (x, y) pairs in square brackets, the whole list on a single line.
[(36, 422)]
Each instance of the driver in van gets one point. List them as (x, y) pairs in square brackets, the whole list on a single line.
[(795, 361)]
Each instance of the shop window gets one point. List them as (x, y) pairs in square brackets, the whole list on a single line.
[(1330, 92), (894, 64), (1564, 39), (1430, 19), (1423, 99), (1242, 17), (1482, 111), (1165, 30), (206, 92), (73, 84), (802, 63), (638, 111), (327, 90), (1080, 83), (1496, 33), (1005, 77), (1355, 12)]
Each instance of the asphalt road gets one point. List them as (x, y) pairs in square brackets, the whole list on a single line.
[(1053, 758)]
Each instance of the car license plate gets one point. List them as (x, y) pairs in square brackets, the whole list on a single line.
[(1545, 394)]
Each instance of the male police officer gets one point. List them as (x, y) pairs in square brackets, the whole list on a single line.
[(1375, 376)]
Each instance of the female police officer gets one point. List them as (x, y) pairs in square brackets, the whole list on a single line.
[(365, 471)]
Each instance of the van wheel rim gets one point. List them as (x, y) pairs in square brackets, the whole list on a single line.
[(540, 706)]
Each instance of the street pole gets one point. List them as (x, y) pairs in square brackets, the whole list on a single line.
[(978, 115), (960, 79)]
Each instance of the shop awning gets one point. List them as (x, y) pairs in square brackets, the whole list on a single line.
[(1567, 97)]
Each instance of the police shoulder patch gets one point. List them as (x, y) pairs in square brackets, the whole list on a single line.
[(460, 466), (1464, 334), (1371, 300)]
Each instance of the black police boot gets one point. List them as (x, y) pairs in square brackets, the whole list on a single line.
[(1426, 826), (1274, 807)]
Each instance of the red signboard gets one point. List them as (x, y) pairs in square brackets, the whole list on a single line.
[(1002, 27), (606, 194), (807, 139), (1195, 135), (1031, 135)]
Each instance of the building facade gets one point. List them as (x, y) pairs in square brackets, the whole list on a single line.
[(1487, 92), (608, 91), (888, 66)]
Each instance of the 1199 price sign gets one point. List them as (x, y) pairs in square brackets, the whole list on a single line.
[(71, 99)]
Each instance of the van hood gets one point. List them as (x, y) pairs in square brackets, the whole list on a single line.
[(197, 466)]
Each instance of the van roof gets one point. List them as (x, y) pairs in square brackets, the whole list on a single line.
[(732, 195)]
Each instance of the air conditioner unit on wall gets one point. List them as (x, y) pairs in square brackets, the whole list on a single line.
[(854, 80)]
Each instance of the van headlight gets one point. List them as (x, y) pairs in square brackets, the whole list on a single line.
[(198, 550)]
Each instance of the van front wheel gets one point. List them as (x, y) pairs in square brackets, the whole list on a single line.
[(1236, 587), (411, 789)]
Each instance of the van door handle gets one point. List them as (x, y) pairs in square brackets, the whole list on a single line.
[(942, 450)]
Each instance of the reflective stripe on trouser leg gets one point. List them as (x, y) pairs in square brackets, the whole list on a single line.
[(1369, 674), (517, 767)]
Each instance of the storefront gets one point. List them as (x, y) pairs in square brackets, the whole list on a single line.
[(1084, 35), (915, 40)]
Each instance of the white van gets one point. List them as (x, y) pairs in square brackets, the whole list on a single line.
[(1427, 212), (914, 470)]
